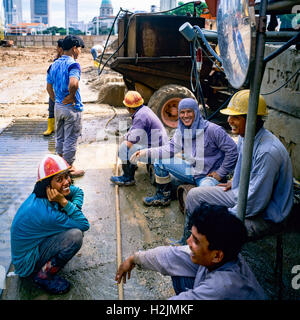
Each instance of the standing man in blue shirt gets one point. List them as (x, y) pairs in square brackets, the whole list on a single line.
[(63, 88), (270, 194)]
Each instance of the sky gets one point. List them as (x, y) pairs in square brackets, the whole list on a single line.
[(87, 9)]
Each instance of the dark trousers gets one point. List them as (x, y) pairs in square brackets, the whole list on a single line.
[(63, 246), (181, 284)]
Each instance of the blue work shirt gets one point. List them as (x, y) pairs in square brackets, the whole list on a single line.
[(37, 219), (233, 280), (59, 74), (271, 178)]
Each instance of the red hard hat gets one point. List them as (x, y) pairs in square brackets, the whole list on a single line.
[(51, 165)]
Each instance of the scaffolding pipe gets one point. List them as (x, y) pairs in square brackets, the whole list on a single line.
[(255, 84)]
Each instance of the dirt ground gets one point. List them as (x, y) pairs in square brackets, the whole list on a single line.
[(23, 96)]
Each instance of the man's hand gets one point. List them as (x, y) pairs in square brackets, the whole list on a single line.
[(73, 87), (214, 175), (138, 154), (54, 195), (227, 186), (124, 269), (69, 99)]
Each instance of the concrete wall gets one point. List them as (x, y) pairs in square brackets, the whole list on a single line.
[(49, 41), (284, 105)]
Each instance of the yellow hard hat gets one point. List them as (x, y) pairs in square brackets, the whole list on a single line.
[(133, 99), (239, 104)]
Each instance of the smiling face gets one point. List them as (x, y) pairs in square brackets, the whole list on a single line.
[(200, 253), (187, 116), (237, 124), (61, 183)]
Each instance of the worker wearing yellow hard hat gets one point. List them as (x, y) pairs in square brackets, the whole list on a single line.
[(270, 195)]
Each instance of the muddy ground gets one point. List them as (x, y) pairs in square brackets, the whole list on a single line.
[(23, 101)]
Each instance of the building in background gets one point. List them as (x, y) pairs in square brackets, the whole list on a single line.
[(104, 22), (25, 28), (12, 11), (153, 8), (167, 4), (71, 13), (40, 12)]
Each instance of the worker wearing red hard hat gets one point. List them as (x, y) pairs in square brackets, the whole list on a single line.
[(47, 230)]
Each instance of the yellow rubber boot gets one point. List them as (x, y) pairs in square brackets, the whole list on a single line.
[(51, 126)]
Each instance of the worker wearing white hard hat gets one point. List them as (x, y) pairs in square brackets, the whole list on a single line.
[(47, 230)]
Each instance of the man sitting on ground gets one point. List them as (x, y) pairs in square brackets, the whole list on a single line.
[(146, 131), (270, 194), (210, 267)]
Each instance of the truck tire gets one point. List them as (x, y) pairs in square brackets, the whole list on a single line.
[(164, 103)]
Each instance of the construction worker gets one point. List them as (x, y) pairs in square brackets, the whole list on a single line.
[(51, 119), (209, 267), (47, 230), (146, 131), (270, 195), (63, 86), (95, 51), (208, 154)]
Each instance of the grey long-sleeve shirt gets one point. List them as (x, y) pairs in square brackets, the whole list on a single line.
[(232, 281)]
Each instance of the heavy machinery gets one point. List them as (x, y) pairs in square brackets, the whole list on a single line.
[(155, 60)]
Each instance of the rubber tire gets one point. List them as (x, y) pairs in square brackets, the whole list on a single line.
[(165, 93)]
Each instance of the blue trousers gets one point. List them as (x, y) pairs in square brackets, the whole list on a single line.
[(125, 153), (181, 169), (51, 109), (181, 284)]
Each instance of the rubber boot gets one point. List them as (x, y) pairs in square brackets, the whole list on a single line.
[(48, 280), (51, 127), (127, 179), (162, 196)]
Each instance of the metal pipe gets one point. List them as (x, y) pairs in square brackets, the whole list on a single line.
[(255, 83), (271, 36), (118, 231)]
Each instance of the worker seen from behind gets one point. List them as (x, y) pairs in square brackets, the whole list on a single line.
[(96, 50), (270, 194), (47, 230), (63, 86), (51, 120), (210, 267), (146, 131), (208, 154)]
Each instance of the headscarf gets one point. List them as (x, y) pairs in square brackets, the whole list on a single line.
[(198, 125), (199, 122)]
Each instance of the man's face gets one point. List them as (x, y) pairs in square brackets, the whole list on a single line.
[(187, 116), (237, 124), (200, 254), (61, 183)]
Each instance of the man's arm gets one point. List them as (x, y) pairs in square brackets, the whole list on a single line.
[(50, 91), (73, 87)]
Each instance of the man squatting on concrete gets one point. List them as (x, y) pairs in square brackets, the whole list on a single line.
[(146, 131), (51, 119), (47, 230), (270, 194), (208, 154), (63, 87), (210, 266)]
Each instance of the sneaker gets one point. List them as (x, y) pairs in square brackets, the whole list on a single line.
[(52, 284), (157, 200), (122, 180)]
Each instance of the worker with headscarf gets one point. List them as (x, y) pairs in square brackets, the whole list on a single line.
[(208, 154)]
